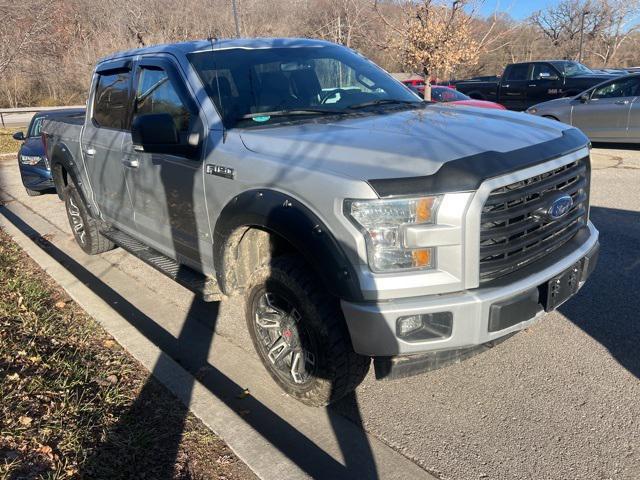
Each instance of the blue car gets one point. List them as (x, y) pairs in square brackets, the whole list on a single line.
[(32, 161)]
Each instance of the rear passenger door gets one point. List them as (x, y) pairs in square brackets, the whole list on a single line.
[(513, 86), (167, 190), (106, 126)]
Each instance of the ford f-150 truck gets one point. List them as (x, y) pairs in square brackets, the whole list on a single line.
[(357, 220), (528, 83)]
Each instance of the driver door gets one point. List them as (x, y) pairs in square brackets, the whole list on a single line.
[(605, 114), (167, 190)]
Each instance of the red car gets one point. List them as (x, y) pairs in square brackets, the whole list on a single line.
[(440, 93), (449, 95)]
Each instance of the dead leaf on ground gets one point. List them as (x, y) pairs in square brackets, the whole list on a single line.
[(60, 305), (112, 379), (26, 421), (109, 343), (245, 393)]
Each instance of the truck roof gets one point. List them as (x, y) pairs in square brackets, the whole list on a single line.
[(219, 44)]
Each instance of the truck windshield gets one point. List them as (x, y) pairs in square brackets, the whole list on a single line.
[(572, 69), (262, 86)]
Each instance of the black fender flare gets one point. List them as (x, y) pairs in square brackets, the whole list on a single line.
[(280, 214), (61, 156)]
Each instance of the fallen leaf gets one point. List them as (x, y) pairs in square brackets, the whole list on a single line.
[(26, 421), (109, 343), (60, 305), (112, 379), (245, 393)]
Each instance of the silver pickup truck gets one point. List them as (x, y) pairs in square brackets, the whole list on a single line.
[(357, 220)]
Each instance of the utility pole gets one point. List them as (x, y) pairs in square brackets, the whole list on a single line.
[(235, 17), (584, 14)]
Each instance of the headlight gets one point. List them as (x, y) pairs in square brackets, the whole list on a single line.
[(30, 159), (533, 110), (382, 222)]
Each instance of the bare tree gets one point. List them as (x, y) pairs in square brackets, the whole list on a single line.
[(563, 24), (434, 37), (620, 22)]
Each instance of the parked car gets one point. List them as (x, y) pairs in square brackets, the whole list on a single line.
[(32, 161), (608, 112), (356, 220), (416, 85), (525, 84), (451, 96)]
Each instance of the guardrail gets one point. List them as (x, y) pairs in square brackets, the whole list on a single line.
[(10, 111)]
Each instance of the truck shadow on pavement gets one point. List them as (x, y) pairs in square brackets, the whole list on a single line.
[(190, 349), (608, 306)]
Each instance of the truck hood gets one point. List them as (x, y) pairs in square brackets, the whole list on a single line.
[(401, 144)]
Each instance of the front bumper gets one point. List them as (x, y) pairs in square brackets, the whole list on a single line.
[(372, 326), (36, 177)]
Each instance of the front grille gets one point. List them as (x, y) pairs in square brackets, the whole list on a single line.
[(514, 232)]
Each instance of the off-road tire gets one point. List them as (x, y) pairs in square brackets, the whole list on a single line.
[(85, 228), (338, 370), (33, 193)]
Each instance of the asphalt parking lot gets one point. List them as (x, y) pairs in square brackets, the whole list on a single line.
[(560, 400)]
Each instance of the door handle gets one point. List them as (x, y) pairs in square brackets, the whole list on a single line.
[(533, 85), (90, 151), (131, 162), (622, 102), (505, 86)]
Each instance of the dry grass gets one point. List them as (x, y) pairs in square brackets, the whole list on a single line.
[(74, 404), (7, 143)]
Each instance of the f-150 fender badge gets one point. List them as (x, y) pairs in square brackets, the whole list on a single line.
[(220, 171)]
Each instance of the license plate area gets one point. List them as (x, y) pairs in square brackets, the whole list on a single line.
[(561, 287)]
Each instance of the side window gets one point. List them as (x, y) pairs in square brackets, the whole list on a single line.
[(543, 71), (518, 72), (111, 101), (157, 94), (618, 88)]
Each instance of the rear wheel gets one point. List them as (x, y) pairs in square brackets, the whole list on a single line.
[(85, 228), (300, 335)]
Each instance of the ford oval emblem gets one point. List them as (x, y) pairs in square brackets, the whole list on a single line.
[(560, 207)]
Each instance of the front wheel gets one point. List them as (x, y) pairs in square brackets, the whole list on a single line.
[(300, 335)]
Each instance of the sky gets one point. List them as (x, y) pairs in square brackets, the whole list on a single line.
[(518, 9)]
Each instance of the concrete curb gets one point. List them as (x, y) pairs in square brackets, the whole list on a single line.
[(315, 444)]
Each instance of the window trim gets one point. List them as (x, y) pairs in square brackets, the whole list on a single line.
[(599, 87), (550, 65), (527, 77), (110, 69), (178, 82)]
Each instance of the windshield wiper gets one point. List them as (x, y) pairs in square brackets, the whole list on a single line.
[(284, 113), (383, 101)]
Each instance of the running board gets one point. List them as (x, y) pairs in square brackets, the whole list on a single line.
[(201, 285)]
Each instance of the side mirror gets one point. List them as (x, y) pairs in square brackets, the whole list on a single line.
[(157, 133), (19, 136), (584, 98)]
